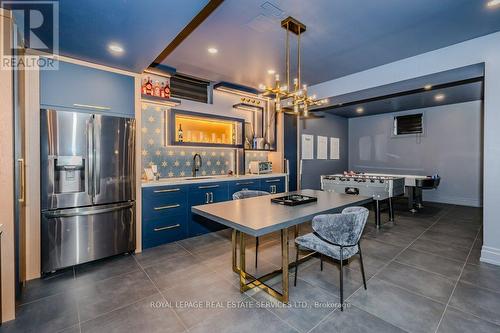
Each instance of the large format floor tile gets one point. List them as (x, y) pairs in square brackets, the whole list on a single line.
[(95, 300), (455, 321), (380, 249), (399, 307), (432, 263), (482, 275), (147, 315), (441, 249), (308, 305), (49, 285), (421, 282), (353, 319), (480, 302), (49, 314), (153, 255), (243, 320), (412, 266)]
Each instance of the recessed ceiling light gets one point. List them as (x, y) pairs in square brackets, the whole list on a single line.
[(360, 110), (212, 50), (493, 3), (115, 48), (439, 97), (428, 87), (271, 71)]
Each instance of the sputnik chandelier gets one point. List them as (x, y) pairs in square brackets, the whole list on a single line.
[(294, 100)]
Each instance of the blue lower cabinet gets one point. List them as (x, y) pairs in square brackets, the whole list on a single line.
[(166, 229), (273, 185), (161, 200), (164, 214), (240, 185), (201, 194)]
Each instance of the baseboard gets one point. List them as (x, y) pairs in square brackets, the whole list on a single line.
[(490, 255), (461, 201)]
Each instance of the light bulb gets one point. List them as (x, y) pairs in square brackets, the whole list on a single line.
[(277, 77)]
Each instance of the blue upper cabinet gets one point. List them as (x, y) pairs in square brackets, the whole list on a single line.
[(85, 88)]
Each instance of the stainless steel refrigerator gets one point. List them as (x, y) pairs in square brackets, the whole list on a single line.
[(87, 187)]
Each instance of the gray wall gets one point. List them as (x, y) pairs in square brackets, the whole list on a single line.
[(330, 126), (451, 146)]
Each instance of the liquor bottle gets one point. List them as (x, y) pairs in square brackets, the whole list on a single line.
[(162, 90), (167, 90), (180, 134), (157, 88), (143, 88), (149, 87)]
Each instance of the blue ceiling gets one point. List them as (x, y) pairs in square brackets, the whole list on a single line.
[(143, 28), (342, 37)]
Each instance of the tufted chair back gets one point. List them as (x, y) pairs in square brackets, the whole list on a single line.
[(248, 194), (343, 229)]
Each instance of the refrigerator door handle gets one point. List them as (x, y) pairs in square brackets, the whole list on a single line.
[(90, 157), (85, 212), (97, 157)]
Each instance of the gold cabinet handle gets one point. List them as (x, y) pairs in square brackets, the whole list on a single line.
[(167, 190), (96, 107), (167, 228), (247, 183), (273, 181), (166, 207), (22, 175), (208, 186)]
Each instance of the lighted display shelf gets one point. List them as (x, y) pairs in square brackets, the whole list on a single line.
[(186, 128)]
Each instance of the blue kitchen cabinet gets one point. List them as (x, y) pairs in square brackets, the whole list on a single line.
[(164, 214), (73, 86), (240, 185), (273, 185), (201, 194)]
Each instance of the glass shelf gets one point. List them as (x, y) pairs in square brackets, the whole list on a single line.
[(187, 128)]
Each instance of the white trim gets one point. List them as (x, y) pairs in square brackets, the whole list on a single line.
[(490, 255), (81, 62), (461, 201), (32, 155), (138, 166)]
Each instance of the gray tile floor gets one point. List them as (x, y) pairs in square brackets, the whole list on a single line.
[(424, 276)]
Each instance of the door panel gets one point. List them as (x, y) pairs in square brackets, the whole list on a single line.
[(114, 171), (75, 236), (65, 167)]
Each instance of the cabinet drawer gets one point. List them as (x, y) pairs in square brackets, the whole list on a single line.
[(208, 187), (273, 185), (163, 230), (163, 201), (249, 184)]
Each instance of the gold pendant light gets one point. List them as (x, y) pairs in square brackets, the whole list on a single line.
[(294, 100)]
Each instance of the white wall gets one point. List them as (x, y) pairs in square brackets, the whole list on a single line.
[(452, 136), (484, 49)]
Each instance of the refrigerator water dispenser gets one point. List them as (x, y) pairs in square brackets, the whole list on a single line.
[(69, 174)]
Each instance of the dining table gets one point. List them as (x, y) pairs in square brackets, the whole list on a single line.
[(259, 216)]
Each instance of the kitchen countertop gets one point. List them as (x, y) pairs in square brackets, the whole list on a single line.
[(206, 179)]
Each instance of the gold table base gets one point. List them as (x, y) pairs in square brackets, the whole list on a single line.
[(248, 281)]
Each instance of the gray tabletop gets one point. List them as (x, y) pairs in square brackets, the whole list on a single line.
[(259, 216)]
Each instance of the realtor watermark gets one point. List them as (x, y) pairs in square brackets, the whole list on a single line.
[(35, 30), (207, 304)]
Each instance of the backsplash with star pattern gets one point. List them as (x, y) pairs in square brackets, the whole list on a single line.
[(175, 161)]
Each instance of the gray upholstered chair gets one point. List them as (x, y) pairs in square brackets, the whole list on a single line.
[(243, 194), (336, 236)]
